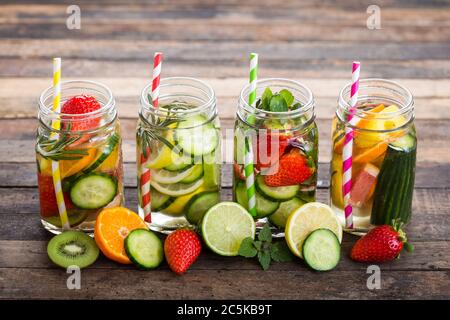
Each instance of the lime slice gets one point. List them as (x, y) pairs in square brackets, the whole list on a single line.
[(225, 225), (306, 219), (166, 176), (176, 189)]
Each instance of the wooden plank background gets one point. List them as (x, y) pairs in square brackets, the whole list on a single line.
[(307, 41)]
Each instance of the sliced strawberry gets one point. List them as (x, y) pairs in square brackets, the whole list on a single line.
[(239, 171), (47, 197), (292, 169), (270, 147), (364, 185)]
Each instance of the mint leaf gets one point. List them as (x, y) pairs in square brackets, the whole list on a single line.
[(247, 248), (280, 252), (265, 99), (258, 245), (265, 234), (278, 104), (264, 259), (296, 106), (288, 97)]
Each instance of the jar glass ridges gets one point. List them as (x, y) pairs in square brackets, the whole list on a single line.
[(384, 154), (180, 142), (285, 152), (88, 150)]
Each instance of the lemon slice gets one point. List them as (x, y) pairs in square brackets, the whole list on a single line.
[(306, 219), (176, 207), (176, 189), (160, 158), (225, 225), (166, 176)]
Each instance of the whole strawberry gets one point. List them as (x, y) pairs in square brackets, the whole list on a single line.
[(381, 244), (81, 104), (181, 248), (292, 169)]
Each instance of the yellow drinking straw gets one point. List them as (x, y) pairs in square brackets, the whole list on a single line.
[(56, 124)]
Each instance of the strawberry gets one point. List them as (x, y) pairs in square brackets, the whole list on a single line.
[(81, 104), (292, 169), (181, 248), (47, 197), (381, 244), (265, 156), (239, 171)]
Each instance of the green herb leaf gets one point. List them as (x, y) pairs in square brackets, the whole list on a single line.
[(278, 104), (247, 248), (264, 259), (288, 97), (265, 234), (265, 99), (280, 252), (258, 245), (296, 106)]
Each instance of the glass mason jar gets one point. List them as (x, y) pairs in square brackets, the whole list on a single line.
[(285, 153), (384, 154), (87, 148), (180, 143)]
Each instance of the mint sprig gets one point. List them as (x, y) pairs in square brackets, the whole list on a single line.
[(282, 101), (264, 249)]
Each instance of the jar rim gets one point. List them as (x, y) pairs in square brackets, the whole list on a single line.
[(48, 110), (166, 82), (298, 112), (405, 107)]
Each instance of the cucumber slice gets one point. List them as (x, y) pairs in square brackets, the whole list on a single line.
[(159, 201), (196, 172), (279, 217), (93, 191), (405, 143), (211, 170), (179, 162), (144, 249), (264, 207), (110, 145), (196, 136), (199, 204), (276, 193), (321, 250)]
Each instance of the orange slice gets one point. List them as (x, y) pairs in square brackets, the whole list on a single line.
[(70, 167), (371, 154), (112, 227), (111, 161)]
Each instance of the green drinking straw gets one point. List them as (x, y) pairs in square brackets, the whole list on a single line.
[(248, 165)]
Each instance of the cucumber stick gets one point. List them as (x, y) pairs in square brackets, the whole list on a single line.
[(394, 190)]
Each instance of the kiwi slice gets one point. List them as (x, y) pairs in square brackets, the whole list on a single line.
[(74, 219), (72, 248)]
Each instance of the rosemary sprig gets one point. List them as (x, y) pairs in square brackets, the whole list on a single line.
[(55, 149)]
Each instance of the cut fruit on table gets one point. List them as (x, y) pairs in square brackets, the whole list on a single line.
[(364, 185), (225, 225), (322, 250), (144, 249), (72, 248), (112, 227), (306, 219), (182, 247)]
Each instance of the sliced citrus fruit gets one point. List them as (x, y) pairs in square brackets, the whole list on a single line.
[(371, 154), (307, 218), (225, 225), (177, 206), (176, 189), (160, 158), (112, 227), (166, 176), (70, 167), (110, 163)]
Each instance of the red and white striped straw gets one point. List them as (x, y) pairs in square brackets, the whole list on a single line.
[(145, 172), (347, 154)]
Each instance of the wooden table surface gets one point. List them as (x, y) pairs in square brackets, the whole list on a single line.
[(302, 40)]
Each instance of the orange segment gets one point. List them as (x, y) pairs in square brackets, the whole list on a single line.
[(112, 227), (371, 154), (70, 167), (110, 163)]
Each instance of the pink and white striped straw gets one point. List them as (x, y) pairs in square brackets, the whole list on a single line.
[(145, 172), (347, 153)]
